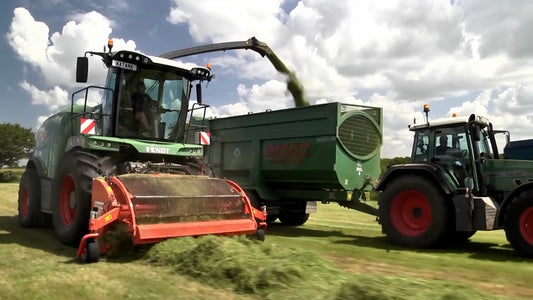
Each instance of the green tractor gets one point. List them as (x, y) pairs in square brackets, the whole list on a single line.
[(135, 140), (456, 184)]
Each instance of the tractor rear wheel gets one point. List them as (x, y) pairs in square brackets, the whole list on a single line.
[(413, 212), (518, 223), (29, 202), (72, 203)]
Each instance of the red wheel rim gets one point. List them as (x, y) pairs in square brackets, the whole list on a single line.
[(67, 199), (526, 225), (410, 213), (24, 202)]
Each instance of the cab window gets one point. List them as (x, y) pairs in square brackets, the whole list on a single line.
[(420, 147)]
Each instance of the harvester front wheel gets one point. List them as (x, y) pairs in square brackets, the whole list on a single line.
[(29, 202), (72, 204), (413, 212), (518, 223)]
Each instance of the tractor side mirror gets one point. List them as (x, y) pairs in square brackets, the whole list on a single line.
[(199, 93), (82, 69)]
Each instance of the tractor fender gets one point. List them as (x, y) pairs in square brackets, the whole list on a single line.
[(514, 193), (424, 169)]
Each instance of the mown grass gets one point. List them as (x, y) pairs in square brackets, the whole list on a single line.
[(338, 254)]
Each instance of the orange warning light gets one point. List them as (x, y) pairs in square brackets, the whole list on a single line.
[(110, 44)]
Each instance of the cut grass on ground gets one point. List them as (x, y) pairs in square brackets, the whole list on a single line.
[(338, 254)]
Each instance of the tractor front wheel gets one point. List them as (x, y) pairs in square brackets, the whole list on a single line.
[(518, 223), (72, 203), (413, 212)]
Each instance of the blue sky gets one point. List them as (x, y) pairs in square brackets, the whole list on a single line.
[(459, 56)]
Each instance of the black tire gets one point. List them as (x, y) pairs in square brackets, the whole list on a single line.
[(461, 237), (518, 223), (413, 212), (29, 201), (72, 202), (260, 235), (271, 218), (293, 218), (92, 252)]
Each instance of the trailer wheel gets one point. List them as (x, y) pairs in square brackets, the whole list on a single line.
[(29, 201), (91, 253), (518, 223), (271, 218), (413, 212), (72, 203), (293, 218), (460, 237)]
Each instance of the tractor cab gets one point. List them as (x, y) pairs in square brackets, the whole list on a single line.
[(144, 97), (458, 146)]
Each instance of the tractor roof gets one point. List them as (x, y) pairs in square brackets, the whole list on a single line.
[(135, 57), (450, 121)]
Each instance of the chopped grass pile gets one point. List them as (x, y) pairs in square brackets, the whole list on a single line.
[(244, 265)]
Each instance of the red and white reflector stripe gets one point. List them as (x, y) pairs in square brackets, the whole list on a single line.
[(205, 138), (87, 126)]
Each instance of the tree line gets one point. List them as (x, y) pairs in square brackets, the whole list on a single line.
[(16, 143)]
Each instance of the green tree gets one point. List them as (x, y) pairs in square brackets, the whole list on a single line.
[(16, 142), (386, 162)]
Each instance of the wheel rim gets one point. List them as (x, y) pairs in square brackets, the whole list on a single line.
[(24, 202), (526, 225), (410, 213), (67, 200)]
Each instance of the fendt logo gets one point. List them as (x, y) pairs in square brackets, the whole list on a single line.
[(287, 153), (160, 150)]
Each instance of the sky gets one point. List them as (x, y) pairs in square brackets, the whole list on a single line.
[(459, 57)]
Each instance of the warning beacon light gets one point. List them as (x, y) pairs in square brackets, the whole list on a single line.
[(426, 110), (110, 44)]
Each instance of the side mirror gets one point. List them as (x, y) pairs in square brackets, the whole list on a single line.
[(199, 93), (82, 69)]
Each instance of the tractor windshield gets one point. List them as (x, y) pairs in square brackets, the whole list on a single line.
[(149, 103)]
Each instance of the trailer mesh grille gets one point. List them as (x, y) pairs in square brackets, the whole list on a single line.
[(359, 135)]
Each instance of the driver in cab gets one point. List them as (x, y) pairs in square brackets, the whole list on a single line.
[(442, 148), (138, 103)]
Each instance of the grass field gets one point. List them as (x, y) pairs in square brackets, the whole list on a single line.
[(337, 254)]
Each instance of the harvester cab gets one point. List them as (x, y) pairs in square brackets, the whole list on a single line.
[(129, 161), (457, 183), (145, 97)]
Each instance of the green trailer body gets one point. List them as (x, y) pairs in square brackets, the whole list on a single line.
[(284, 158)]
